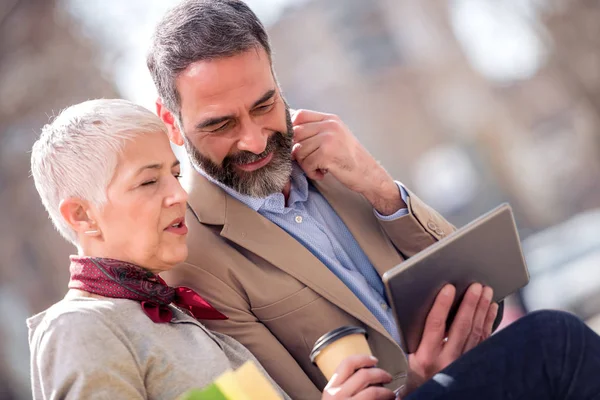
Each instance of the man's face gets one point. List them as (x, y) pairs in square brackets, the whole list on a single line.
[(236, 126)]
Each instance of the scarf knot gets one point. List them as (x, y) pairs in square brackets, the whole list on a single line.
[(119, 279)]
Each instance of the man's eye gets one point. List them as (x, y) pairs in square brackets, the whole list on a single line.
[(178, 175), (220, 128), (264, 108)]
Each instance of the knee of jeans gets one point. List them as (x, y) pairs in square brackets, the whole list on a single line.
[(556, 319)]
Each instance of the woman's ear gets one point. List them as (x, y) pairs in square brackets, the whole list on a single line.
[(168, 118), (78, 216)]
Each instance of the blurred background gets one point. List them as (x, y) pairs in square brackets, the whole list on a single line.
[(468, 102)]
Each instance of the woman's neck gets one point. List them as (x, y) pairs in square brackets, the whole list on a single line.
[(76, 293), (82, 252)]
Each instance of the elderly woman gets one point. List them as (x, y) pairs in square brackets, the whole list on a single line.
[(107, 176)]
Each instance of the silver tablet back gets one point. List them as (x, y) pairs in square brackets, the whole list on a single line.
[(487, 250)]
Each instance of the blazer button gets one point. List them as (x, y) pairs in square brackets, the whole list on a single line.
[(431, 225)]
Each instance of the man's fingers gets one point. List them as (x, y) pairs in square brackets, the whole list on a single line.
[(435, 325), (488, 325), (312, 129), (375, 393), (303, 116), (478, 328), (314, 165), (302, 150), (463, 322), (347, 368)]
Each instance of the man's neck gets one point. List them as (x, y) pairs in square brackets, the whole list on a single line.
[(286, 190)]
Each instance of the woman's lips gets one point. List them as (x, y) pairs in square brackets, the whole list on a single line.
[(253, 166), (178, 227)]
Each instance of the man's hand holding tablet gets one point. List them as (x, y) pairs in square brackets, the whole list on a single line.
[(440, 347)]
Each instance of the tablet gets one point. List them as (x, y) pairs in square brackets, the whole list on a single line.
[(487, 250)]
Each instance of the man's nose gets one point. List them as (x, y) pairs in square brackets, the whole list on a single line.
[(253, 138)]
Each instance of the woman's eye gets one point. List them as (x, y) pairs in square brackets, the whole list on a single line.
[(148, 182), (178, 175)]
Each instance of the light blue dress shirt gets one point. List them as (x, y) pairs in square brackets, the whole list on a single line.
[(309, 218)]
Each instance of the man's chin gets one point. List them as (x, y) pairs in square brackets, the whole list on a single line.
[(261, 191), (263, 182)]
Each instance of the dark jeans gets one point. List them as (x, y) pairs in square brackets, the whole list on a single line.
[(544, 355)]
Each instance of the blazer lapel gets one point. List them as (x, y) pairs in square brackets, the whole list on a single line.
[(247, 228), (357, 214)]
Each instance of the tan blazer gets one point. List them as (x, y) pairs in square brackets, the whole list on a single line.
[(278, 296)]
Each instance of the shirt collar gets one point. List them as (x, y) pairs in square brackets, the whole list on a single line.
[(274, 202)]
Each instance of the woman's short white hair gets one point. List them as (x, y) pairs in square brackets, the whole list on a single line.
[(77, 153)]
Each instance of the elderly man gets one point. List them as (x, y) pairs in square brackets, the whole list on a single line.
[(292, 221)]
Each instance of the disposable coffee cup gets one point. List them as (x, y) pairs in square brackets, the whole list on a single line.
[(334, 347)]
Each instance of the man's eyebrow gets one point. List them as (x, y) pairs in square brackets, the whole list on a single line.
[(213, 121), (265, 97)]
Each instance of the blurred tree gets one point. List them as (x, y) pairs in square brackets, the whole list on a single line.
[(575, 33), (46, 64)]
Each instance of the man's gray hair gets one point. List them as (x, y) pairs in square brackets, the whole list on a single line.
[(77, 153), (199, 30)]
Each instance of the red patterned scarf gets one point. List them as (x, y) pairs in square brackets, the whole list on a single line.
[(123, 280)]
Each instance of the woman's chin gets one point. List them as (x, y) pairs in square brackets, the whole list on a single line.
[(175, 256)]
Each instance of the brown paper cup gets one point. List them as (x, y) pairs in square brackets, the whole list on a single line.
[(334, 347)]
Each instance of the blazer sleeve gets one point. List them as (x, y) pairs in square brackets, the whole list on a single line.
[(91, 361), (420, 228), (245, 327)]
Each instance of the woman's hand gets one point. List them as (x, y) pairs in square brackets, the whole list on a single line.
[(356, 378)]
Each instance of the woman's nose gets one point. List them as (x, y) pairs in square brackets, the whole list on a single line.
[(177, 193)]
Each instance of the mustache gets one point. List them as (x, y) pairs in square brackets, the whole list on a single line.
[(247, 157)]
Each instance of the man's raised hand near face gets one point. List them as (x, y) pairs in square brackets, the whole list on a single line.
[(323, 144)]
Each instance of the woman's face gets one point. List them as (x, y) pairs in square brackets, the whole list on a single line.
[(143, 219)]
